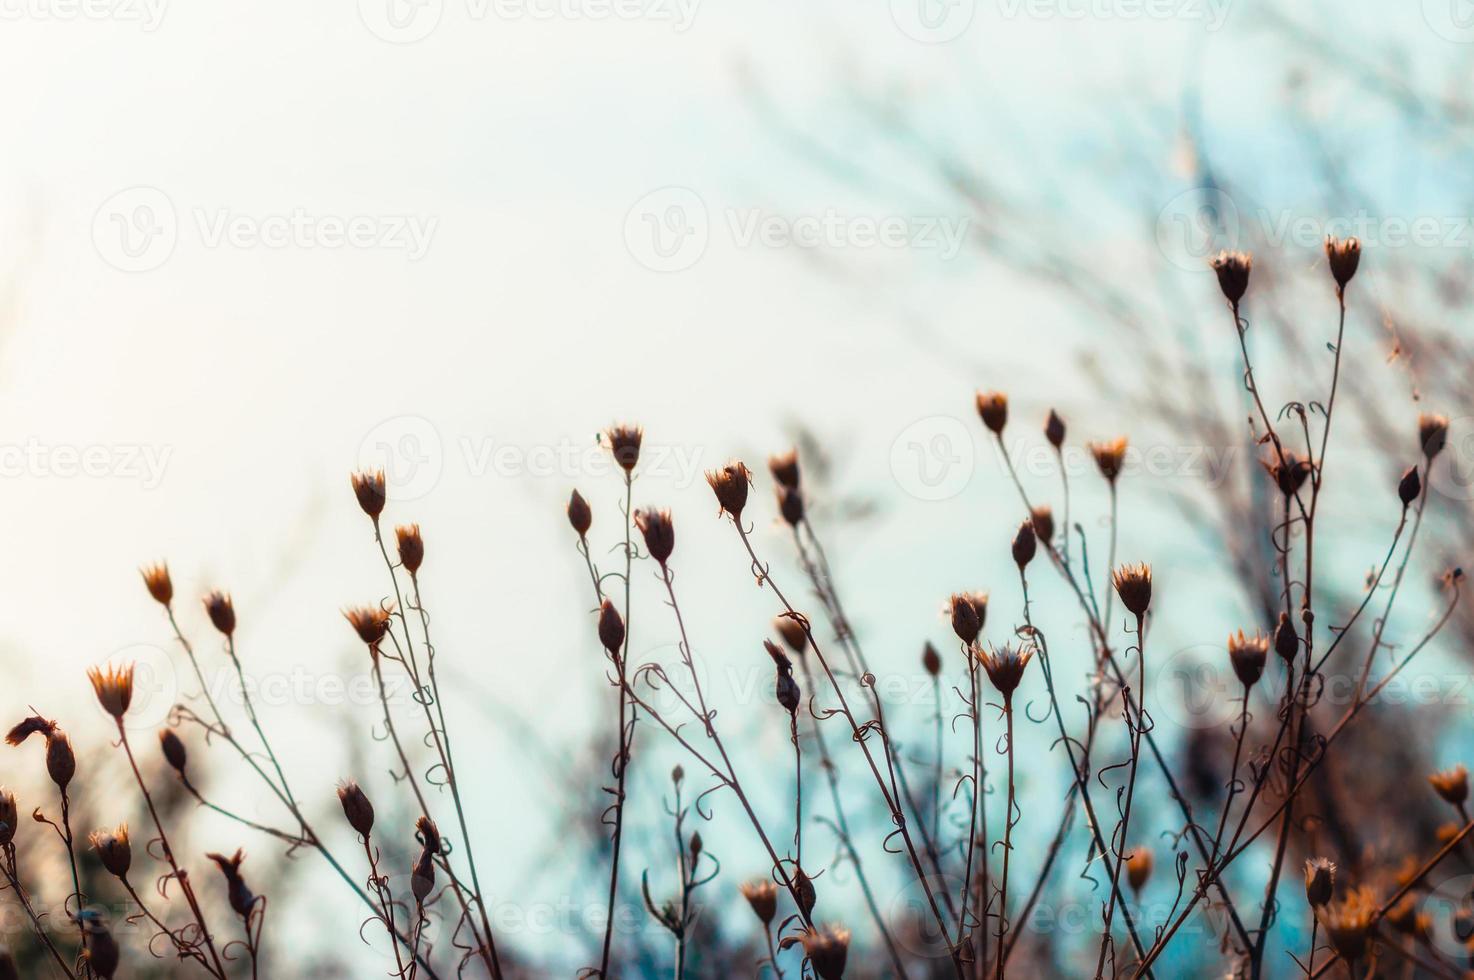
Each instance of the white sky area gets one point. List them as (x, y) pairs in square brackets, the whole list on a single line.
[(222, 386)]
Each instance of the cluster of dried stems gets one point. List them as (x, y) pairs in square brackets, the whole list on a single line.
[(960, 867)]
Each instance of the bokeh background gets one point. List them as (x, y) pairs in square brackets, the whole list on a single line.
[(251, 249)]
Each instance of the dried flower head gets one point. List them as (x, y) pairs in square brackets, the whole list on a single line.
[(422, 876), (27, 727), (1233, 270), (1349, 921), (368, 487), (221, 610), (1248, 654), (1025, 544), (1054, 429), (429, 834), (659, 533), (1134, 585), (1344, 255), (827, 949), (1286, 640), (61, 761), (102, 954), (611, 628), (1042, 518), (791, 505), (730, 484), (1432, 433), (356, 807), (241, 899), (371, 623), (1110, 457), (762, 895), (411, 547), (1320, 881), (113, 849), (804, 894), (969, 611), (1410, 486), (160, 585), (1451, 784), (795, 636), (1139, 868), (579, 514), (930, 660), (624, 443), (173, 749), (785, 687), (9, 818), (1005, 666), (1288, 471), (113, 686), (784, 467), (993, 409)]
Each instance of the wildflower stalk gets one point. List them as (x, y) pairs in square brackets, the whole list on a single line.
[(860, 735), (626, 726), (1123, 831), (12, 877), (1007, 833)]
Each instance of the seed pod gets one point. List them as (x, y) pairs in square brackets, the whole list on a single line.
[(156, 579), (579, 514), (827, 949), (1344, 255), (422, 877), (1005, 667), (1054, 429), (1320, 881), (173, 748), (1288, 471), (1024, 545), (61, 761), (1432, 433), (1233, 270), (1286, 642), (930, 660), (786, 688), (696, 846), (677, 774), (659, 533), (1134, 586), (784, 467), (1247, 654), (968, 614), (1410, 486), (1110, 457), (762, 895), (1139, 868), (102, 949), (368, 487), (1043, 520), (611, 628), (803, 885), (730, 485), (356, 807), (113, 849), (793, 633), (791, 505), (221, 611), (993, 410), (113, 686), (240, 896), (1451, 784), (411, 547), (624, 444)]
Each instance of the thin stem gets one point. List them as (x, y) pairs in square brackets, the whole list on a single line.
[(1007, 834), (1125, 826), (12, 876), (621, 760)]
